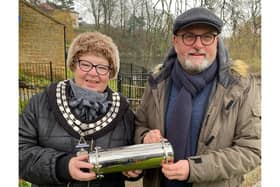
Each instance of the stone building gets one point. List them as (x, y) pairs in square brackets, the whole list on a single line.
[(41, 37), (68, 17)]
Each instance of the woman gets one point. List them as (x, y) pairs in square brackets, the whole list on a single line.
[(71, 117)]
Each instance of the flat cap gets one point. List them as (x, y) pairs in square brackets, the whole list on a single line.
[(197, 15)]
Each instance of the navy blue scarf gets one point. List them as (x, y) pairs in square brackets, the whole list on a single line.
[(179, 121)]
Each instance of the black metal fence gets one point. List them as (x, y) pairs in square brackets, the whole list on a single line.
[(34, 77), (132, 86)]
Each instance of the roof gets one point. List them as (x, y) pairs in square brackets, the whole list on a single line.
[(40, 11)]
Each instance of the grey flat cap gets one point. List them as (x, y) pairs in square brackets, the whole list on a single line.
[(196, 16)]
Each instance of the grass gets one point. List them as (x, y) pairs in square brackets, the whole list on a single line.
[(23, 183)]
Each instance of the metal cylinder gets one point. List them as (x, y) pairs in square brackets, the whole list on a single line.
[(139, 156)]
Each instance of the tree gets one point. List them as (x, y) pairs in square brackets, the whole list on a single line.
[(63, 4), (144, 27)]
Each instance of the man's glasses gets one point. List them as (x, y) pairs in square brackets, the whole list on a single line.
[(190, 38), (87, 66)]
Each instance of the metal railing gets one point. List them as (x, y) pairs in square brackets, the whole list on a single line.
[(34, 77)]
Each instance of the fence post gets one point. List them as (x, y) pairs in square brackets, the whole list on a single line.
[(119, 83), (130, 80), (51, 74)]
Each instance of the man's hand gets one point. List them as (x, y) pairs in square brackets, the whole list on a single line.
[(81, 162), (178, 171), (133, 173), (153, 136)]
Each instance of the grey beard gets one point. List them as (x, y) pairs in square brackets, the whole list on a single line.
[(194, 69)]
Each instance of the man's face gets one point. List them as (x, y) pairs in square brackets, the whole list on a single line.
[(196, 57)]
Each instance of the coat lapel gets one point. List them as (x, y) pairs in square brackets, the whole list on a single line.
[(160, 96)]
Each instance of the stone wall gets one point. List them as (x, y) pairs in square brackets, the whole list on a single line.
[(66, 17), (41, 38)]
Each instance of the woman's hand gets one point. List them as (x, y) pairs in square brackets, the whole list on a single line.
[(81, 162), (153, 136), (132, 173)]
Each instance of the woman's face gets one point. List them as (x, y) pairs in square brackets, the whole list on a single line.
[(92, 72)]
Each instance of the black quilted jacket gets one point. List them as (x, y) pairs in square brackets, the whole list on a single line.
[(43, 139)]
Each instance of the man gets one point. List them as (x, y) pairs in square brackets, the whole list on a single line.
[(205, 106)]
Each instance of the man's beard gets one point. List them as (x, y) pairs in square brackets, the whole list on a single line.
[(197, 67)]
